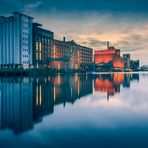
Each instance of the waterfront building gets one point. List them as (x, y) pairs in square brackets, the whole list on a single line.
[(126, 58), (81, 57), (106, 56), (16, 41), (134, 65), (111, 59), (108, 59), (59, 55), (69, 55), (118, 64), (42, 44)]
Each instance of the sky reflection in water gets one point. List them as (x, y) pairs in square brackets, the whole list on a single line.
[(74, 111)]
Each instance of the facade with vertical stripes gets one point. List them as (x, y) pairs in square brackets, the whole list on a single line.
[(16, 41)]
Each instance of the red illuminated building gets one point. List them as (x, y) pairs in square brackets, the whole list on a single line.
[(118, 63), (110, 56), (106, 56)]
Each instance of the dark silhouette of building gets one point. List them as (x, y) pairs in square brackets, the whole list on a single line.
[(134, 65)]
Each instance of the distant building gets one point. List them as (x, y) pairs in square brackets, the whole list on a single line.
[(134, 65), (126, 58), (81, 56), (59, 55), (118, 64), (16, 41), (42, 45), (109, 59), (106, 56), (69, 55), (144, 68)]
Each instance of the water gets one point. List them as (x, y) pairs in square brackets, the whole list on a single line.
[(108, 110)]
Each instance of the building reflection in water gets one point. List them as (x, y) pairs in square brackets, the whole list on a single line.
[(25, 101), (111, 83), (16, 104)]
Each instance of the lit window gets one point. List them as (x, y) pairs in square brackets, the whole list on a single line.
[(37, 46)]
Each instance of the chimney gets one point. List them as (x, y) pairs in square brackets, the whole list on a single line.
[(64, 39), (107, 45)]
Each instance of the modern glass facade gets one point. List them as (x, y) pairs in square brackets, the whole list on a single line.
[(16, 41)]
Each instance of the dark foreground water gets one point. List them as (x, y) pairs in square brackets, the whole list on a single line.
[(100, 111)]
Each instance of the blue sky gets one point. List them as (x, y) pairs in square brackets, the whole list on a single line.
[(91, 22), (79, 5)]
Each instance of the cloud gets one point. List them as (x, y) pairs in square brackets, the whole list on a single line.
[(32, 6), (92, 24), (127, 31), (94, 42)]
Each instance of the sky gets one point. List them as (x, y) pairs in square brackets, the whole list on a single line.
[(91, 22)]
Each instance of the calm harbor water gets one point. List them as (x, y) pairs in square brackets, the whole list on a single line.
[(103, 110)]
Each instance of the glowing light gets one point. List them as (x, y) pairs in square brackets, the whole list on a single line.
[(71, 91), (78, 88), (48, 78), (76, 77), (40, 53), (118, 63), (78, 56), (37, 46), (105, 56), (40, 46), (104, 86), (40, 95), (54, 51), (118, 78), (59, 80), (59, 65), (106, 52), (54, 93), (37, 102)]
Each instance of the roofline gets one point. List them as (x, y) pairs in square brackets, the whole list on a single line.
[(15, 12), (38, 24)]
